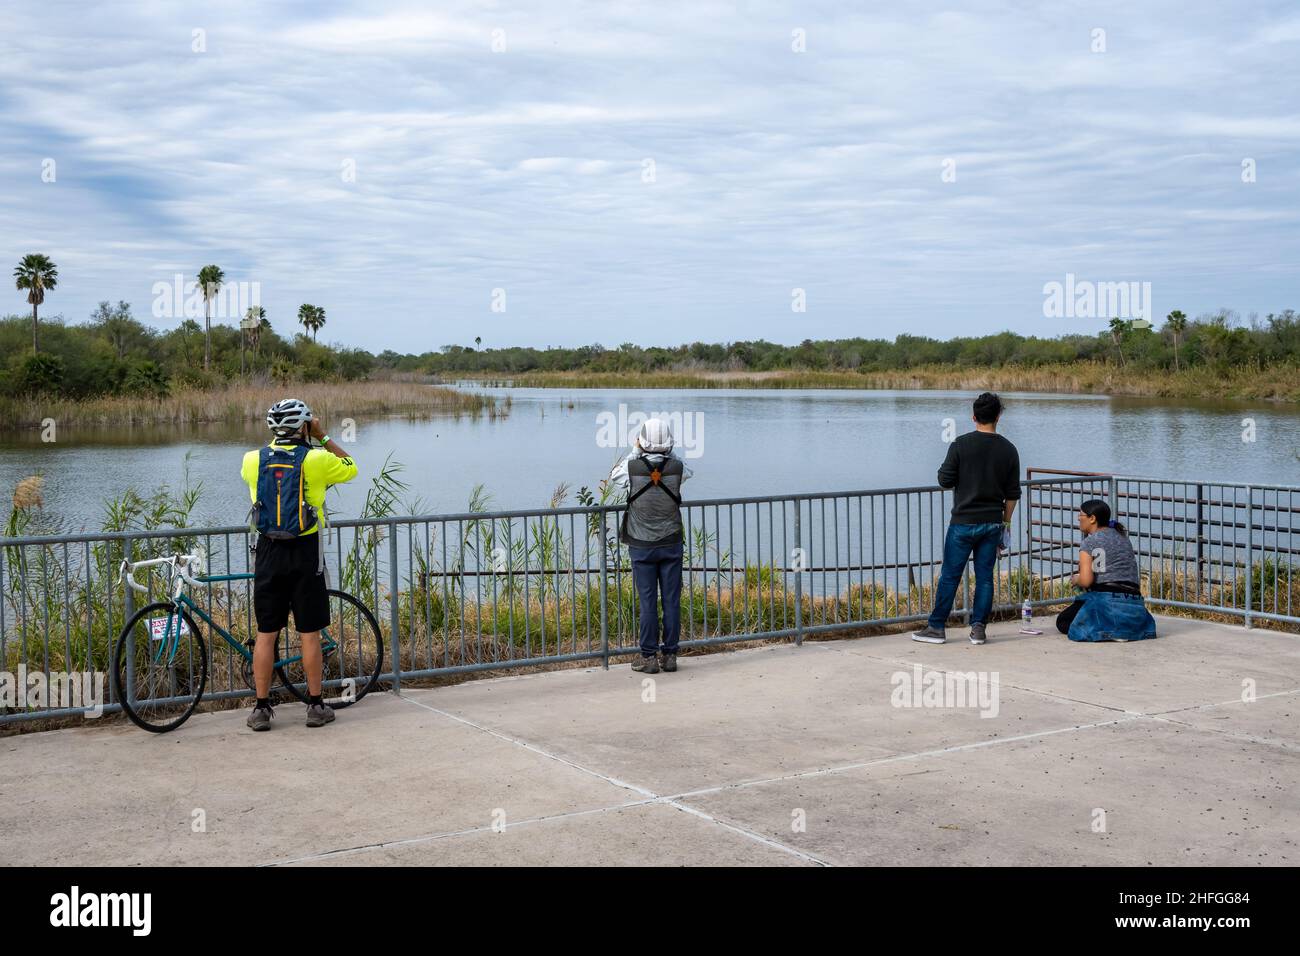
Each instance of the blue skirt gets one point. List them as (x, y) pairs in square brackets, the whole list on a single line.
[(1110, 616)]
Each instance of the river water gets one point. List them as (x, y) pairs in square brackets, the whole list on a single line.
[(738, 442)]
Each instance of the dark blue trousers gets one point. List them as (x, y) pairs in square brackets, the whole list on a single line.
[(657, 574)]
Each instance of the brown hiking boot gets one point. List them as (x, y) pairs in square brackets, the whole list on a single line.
[(668, 662), (646, 665)]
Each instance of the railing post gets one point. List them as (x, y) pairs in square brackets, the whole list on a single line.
[(1200, 550), (128, 610), (129, 600), (1250, 564), (4, 633), (604, 590), (798, 574), (1112, 492), (394, 644), (1027, 525)]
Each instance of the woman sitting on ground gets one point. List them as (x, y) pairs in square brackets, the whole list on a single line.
[(1111, 606)]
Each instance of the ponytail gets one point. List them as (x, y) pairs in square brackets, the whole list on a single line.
[(1096, 508)]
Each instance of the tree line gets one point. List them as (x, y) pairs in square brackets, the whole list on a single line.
[(114, 353), (1217, 340)]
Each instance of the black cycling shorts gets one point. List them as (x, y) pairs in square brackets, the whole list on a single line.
[(285, 578)]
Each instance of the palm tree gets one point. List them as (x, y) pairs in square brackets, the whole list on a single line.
[(255, 315), (311, 318), (305, 316), (478, 340), (1118, 327), (36, 273), (210, 279), (1176, 323)]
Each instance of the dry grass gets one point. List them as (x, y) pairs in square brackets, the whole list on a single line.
[(27, 494), (1275, 588), (1279, 383), (243, 402)]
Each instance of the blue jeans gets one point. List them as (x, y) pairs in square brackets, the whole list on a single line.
[(657, 572), (963, 540), (1106, 616)]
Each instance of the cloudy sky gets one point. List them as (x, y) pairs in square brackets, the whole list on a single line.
[(654, 172)]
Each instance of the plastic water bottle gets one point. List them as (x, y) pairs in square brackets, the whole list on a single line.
[(1026, 614)]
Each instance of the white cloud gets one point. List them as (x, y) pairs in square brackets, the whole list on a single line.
[(524, 169)]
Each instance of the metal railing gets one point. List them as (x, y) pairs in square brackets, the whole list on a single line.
[(495, 590)]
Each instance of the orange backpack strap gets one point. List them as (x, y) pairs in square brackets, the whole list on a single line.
[(656, 481)]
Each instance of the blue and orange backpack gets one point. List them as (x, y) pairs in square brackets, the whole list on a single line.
[(281, 511)]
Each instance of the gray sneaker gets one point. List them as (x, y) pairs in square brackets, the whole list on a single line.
[(260, 718), (646, 665), (929, 635), (668, 662), (318, 715), (977, 634)]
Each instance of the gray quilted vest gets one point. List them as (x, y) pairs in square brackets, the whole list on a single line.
[(654, 502)]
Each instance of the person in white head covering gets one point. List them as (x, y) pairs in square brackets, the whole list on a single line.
[(655, 437), (652, 529)]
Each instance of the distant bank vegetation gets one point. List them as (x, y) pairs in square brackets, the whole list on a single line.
[(1215, 355), (1271, 383), (242, 402), (1218, 344), (114, 369)]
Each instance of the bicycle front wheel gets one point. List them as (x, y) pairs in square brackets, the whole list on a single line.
[(352, 654), (160, 667)]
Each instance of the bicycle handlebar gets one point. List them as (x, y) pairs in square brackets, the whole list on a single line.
[(184, 565)]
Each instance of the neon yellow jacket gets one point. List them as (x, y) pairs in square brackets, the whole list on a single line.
[(320, 469)]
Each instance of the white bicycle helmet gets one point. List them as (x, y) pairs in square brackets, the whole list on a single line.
[(287, 417), (655, 436)]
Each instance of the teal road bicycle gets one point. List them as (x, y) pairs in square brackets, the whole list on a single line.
[(160, 661)]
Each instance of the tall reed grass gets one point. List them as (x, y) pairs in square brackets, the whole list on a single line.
[(244, 402), (1278, 383)]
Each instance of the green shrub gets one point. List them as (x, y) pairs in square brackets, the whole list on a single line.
[(40, 374), (146, 378)]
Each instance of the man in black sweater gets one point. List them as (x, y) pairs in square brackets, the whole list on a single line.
[(984, 469)]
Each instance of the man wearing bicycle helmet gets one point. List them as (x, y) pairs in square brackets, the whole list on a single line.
[(287, 480)]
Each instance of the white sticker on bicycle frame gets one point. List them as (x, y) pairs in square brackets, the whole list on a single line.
[(158, 627)]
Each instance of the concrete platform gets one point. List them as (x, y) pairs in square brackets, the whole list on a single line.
[(1140, 753)]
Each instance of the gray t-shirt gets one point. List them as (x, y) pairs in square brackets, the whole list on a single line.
[(1113, 560)]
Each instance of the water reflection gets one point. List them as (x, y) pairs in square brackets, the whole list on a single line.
[(751, 442)]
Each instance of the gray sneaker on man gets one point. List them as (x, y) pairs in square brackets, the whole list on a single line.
[(668, 662), (646, 665), (929, 635), (318, 715), (977, 633), (260, 718)]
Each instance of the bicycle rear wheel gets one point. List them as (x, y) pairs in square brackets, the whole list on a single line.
[(352, 651), (159, 674)]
